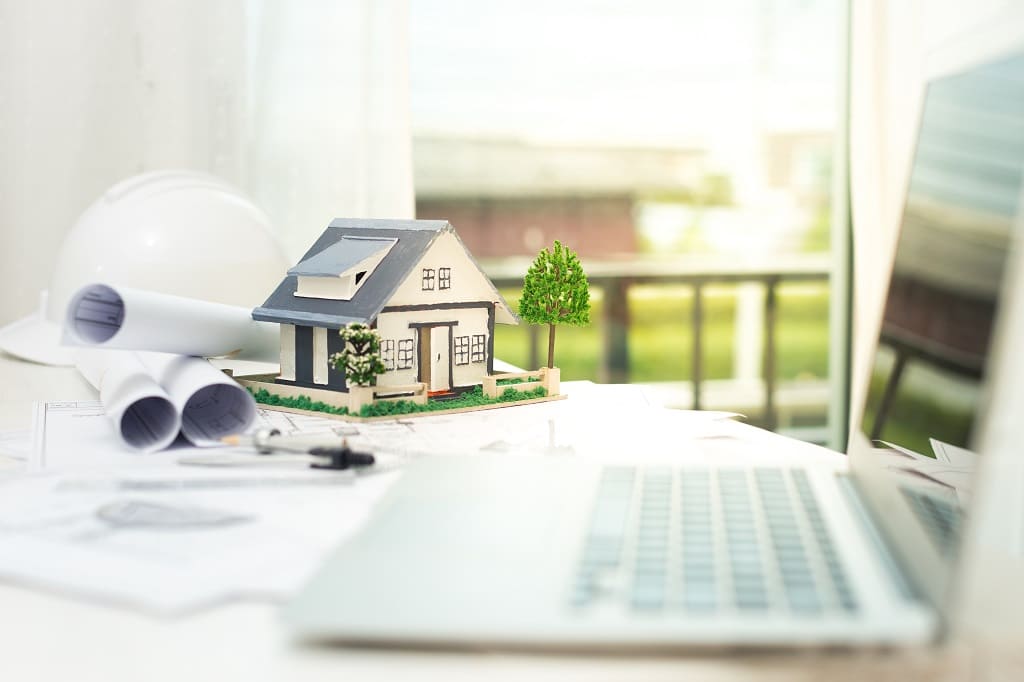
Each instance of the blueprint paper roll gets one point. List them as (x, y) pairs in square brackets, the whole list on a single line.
[(100, 315), (140, 409), (211, 404)]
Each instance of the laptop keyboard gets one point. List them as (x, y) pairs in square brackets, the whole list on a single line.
[(703, 541)]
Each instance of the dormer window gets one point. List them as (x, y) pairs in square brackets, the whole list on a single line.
[(340, 270)]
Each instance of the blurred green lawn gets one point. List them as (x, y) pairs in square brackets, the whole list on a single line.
[(661, 341)]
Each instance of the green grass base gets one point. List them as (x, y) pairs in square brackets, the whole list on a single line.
[(396, 408)]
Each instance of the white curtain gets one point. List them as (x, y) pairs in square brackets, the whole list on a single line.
[(331, 133), (895, 46), (303, 105)]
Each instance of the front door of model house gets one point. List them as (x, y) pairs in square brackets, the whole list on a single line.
[(435, 357)]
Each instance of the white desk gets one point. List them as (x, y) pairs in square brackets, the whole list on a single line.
[(48, 637)]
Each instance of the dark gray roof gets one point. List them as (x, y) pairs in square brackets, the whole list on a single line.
[(413, 237), (344, 254)]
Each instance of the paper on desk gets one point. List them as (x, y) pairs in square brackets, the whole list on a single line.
[(951, 454), (953, 469), (16, 444), (151, 397), (246, 544), (75, 436), (211, 405), (906, 452), (138, 407), (100, 315), (596, 420), (51, 535)]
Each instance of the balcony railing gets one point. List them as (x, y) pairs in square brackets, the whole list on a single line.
[(615, 278)]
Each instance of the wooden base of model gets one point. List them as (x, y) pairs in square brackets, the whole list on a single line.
[(356, 397)]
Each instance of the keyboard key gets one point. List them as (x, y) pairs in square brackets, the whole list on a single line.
[(648, 596), (751, 601), (701, 540), (700, 599), (803, 599)]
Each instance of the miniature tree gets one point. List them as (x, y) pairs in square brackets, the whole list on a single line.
[(360, 358), (555, 291)]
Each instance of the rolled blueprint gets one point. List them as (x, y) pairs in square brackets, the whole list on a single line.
[(141, 410), (211, 405), (135, 319)]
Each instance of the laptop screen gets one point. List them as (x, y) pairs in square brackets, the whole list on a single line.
[(951, 254)]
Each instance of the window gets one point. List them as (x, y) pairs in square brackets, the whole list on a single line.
[(387, 354), (708, 131), (428, 279), (461, 350), (405, 349), (479, 345), (444, 278)]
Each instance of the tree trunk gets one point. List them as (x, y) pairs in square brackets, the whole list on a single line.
[(551, 345)]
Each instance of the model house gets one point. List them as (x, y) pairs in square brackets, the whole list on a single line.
[(413, 280)]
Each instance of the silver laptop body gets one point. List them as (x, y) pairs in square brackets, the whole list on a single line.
[(558, 552)]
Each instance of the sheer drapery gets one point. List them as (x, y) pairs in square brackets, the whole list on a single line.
[(302, 105)]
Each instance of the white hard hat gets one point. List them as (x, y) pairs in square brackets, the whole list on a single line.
[(177, 232)]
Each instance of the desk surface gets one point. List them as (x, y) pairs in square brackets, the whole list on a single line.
[(49, 637)]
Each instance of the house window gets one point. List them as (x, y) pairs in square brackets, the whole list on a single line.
[(477, 350), (461, 350), (405, 349), (387, 354), (428, 279), (444, 278)]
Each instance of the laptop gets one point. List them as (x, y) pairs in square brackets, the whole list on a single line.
[(565, 552)]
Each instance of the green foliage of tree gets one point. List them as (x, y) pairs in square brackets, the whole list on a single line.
[(360, 358), (555, 291)]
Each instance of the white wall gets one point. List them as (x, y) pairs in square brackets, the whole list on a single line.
[(468, 283), (302, 105), (896, 46)]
